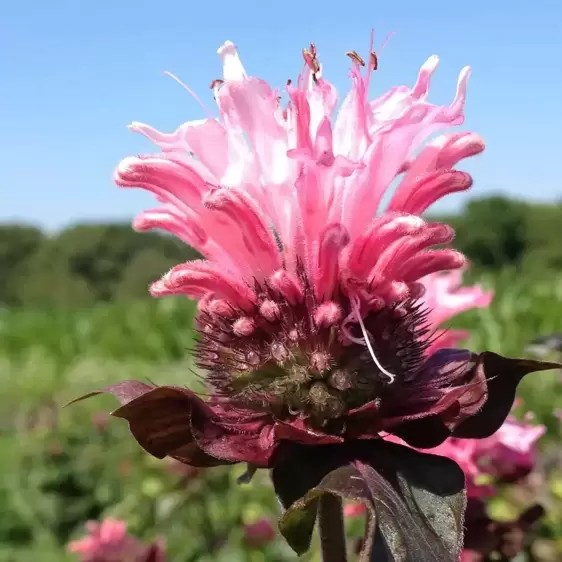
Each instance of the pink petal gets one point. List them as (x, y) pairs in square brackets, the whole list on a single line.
[(206, 138), (250, 106), (198, 278), (246, 217), (333, 239), (403, 121), (445, 300)]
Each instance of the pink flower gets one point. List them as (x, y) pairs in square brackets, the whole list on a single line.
[(354, 510), (108, 541), (444, 300), (100, 421), (506, 456), (309, 313), (510, 453), (259, 534)]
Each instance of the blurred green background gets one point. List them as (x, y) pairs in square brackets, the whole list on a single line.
[(75, 316)]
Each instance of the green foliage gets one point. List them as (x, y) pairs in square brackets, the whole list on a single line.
[(62, 466), (17, 244), (493, 232), (498, 232), (84, 264)]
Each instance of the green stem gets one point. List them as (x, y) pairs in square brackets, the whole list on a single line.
[(332, 532)]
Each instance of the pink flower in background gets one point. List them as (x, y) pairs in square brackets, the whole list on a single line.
[(354, 510), (506, 456), (100, 421), (445, 299), (470, 556), (510, 454), (108, 541), (259, 533)]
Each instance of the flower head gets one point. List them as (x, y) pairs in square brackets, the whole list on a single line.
[(108, 541), (312, 331), (310, 320)]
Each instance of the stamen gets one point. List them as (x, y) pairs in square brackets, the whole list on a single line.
[(190, 92), (374, 60), (388, 37), (367, 342), (311, 61), (355, 57)]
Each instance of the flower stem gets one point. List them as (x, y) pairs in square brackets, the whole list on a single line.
[(332, 533)]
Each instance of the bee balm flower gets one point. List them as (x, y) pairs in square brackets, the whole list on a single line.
[(108, 541), (444, 299), (311, 328)]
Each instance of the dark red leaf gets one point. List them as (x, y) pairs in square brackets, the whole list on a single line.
[(485, 537), (175, 422), (159, 418), (124, 391), (415, 501), (161, 421), (502, 374), (475, 408)]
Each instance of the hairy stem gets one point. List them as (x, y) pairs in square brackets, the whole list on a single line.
[(332, 533)]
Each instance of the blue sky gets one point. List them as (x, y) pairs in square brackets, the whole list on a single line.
[(75, 73)]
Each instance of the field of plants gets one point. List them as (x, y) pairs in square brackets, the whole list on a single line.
[(62, 467)]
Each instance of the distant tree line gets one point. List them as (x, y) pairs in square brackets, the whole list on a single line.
[(86, 264)]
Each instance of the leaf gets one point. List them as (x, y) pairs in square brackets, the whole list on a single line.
[(503, 374), (161, 419), (415, 501), (173, 421), (478, 396), (124, 391)]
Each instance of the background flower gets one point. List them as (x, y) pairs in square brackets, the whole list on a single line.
[(259, 533), (108, 541), (445, 298)]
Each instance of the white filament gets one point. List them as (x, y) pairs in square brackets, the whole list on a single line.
[(355, 307), (190, 92)]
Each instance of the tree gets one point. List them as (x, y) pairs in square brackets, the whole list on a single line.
[(146, 267), (544, 238), (90, 261), (17, 244), (492, 232)]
